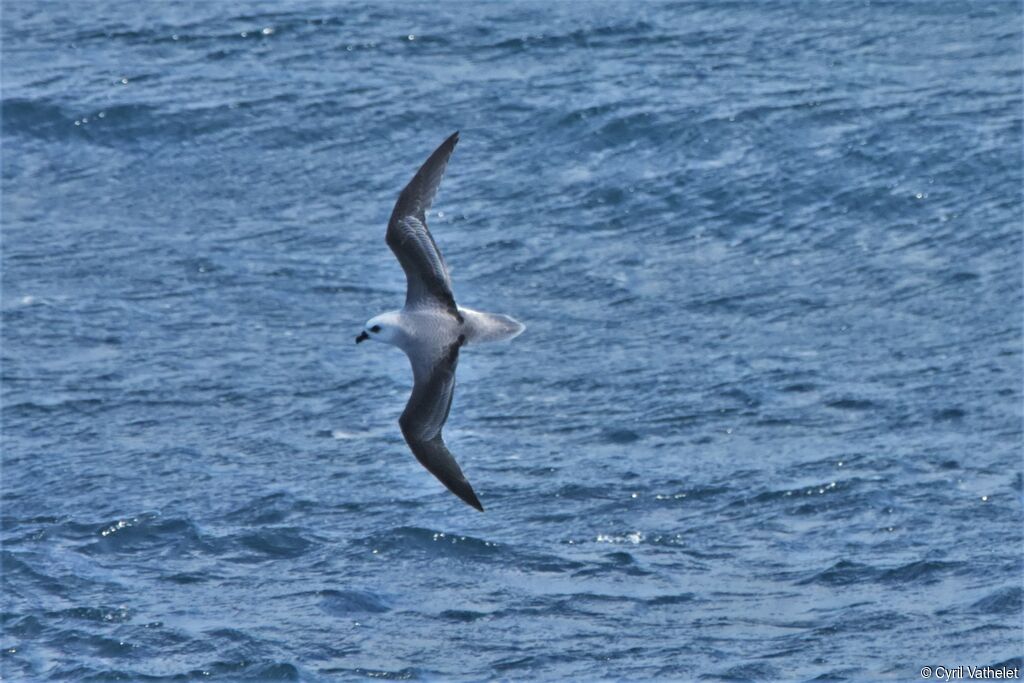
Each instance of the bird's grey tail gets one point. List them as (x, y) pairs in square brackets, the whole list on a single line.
[(490, 327)]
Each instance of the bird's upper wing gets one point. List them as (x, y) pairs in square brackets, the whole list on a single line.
[(427, 280), (425, 415)]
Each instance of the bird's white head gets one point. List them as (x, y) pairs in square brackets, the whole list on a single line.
[(382, 328)]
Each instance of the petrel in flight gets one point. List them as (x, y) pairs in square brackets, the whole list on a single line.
[(431, 328)]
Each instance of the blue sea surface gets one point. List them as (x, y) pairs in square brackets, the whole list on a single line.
[(765, 422)]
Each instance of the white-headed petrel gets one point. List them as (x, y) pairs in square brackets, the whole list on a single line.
[(431, 328)]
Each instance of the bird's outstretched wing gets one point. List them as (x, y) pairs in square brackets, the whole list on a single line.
[(427, 280), (425, 415)]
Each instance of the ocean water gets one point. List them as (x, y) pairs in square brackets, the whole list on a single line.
[(765, 422)]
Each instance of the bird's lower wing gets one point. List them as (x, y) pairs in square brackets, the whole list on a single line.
[(424, 417), (435, 456)]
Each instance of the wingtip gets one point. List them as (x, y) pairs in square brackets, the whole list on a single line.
[(468, 495)]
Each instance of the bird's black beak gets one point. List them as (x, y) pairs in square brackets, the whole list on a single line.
[(362, 337)]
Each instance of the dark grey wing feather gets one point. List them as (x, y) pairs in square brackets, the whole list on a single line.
[(426, 274), (424, 417)]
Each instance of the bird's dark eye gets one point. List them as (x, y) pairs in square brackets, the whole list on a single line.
[(375, 329)]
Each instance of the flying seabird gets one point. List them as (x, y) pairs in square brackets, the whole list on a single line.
[(431, 328)]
